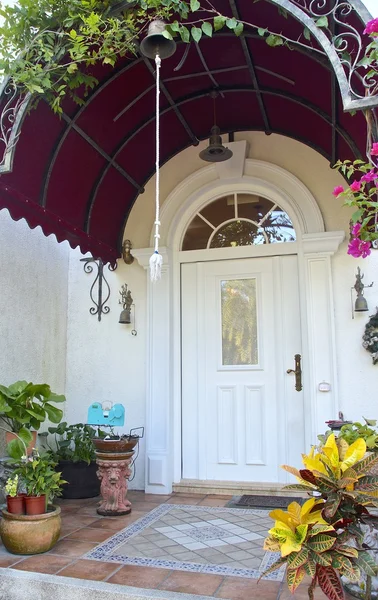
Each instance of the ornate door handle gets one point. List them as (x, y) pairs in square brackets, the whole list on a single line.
[(298, 372)]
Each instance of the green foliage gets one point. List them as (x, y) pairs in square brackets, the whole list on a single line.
[(24, 406), (39, 477), (352, 431), (73, 442)]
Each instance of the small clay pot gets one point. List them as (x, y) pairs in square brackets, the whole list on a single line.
[(30, 534), (35, 505), (16, 505)]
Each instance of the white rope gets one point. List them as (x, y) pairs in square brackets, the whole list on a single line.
[(156, 259)]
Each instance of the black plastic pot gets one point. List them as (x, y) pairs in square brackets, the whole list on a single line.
[(82, 479)]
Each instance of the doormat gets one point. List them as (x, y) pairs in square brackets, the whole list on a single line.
[(266, 502), (198, 539)]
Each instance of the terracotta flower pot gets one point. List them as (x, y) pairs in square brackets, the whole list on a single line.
[(16, 505), (30, 534), (123, 445), (11, 436), (35, 505)]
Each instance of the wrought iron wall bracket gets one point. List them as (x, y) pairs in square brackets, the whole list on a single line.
[(100, 307)]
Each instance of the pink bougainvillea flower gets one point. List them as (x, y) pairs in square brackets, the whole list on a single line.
[(355, 186), (338, 190), (370, 176), (371, 27), (356, 229), (374, 150), (359, 248)]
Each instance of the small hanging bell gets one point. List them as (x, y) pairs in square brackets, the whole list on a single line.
[(155, 43)]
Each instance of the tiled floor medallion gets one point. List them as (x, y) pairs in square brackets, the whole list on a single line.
[(199, 539)]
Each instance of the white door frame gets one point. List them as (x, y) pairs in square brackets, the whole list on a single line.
[(314, 248)]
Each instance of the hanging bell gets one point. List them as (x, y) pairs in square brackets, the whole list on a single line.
[(125, 316), (361, 304), (155, 43), (215, 152)]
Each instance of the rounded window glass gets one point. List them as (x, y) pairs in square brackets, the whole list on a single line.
[(238, 220)]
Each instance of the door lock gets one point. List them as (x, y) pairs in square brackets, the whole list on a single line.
[(298, 372)]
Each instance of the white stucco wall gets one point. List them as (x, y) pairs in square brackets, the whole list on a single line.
[(104, 361), (33, 305)]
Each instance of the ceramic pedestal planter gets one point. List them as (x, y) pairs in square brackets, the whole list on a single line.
[(30, 534), (113, 472)]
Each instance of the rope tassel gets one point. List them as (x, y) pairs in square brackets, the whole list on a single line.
[(156, 259)]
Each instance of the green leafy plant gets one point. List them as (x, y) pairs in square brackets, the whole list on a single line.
[(24, 406), (11, 486), (72, 442), (324, 538), (39, 477), (353, 431)]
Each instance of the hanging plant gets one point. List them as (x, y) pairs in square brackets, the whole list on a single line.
[(370, 337)]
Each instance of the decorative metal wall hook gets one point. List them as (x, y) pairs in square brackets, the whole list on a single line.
[(99, 307), (361, 304), (126, 252)]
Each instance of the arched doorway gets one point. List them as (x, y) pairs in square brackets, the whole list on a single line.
[(293, 280)]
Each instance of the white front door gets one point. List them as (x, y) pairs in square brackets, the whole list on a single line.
[(241, 415)]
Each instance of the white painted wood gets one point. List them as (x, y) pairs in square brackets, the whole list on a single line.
[(243, 411), (234, 167)]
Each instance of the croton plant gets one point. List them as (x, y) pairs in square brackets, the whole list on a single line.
[(323, 539)]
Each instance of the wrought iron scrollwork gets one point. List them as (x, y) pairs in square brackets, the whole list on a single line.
[(100, 307), (10, 121)]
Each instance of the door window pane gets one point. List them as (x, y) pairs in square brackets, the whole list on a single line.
[(239, 322)]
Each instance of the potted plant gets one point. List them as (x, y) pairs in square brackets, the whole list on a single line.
[(24, 406), (324, 539), (39, 529), (15, 501), (73, 451)]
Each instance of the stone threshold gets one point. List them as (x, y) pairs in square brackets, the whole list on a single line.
[(234, 488), (18, 585)]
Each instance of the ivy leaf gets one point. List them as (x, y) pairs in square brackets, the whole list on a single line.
[(196, 34), (262, 31), (274, 40), (194, 5), (239, 29), (219, 22), (307, 33), (185, 35), (231, 23), (322, 22), (207, 28), (167, 34)]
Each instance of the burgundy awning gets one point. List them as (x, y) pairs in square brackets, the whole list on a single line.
[(78, 176)]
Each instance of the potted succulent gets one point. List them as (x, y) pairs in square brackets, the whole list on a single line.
[(324, 539), (23, 407), (74, 453), (15, 501)]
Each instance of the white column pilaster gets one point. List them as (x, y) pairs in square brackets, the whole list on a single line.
[(159, 474)]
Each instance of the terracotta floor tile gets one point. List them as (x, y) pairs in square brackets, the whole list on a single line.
[(87, 534), (157, 498), (145, 506), (188, 495), (146, 577), (7, 561), (72, 548), (88, 511), (89, 569), (68, 509), (212, 502), (65, 530), (192, 583), (218, 497), (189, 500), (238, 588), (77, 520), (43, 563), (116, 523)]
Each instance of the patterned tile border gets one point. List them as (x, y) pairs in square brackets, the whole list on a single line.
[(103, 551)]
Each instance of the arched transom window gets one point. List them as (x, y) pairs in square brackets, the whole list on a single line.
[(238, 220)]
